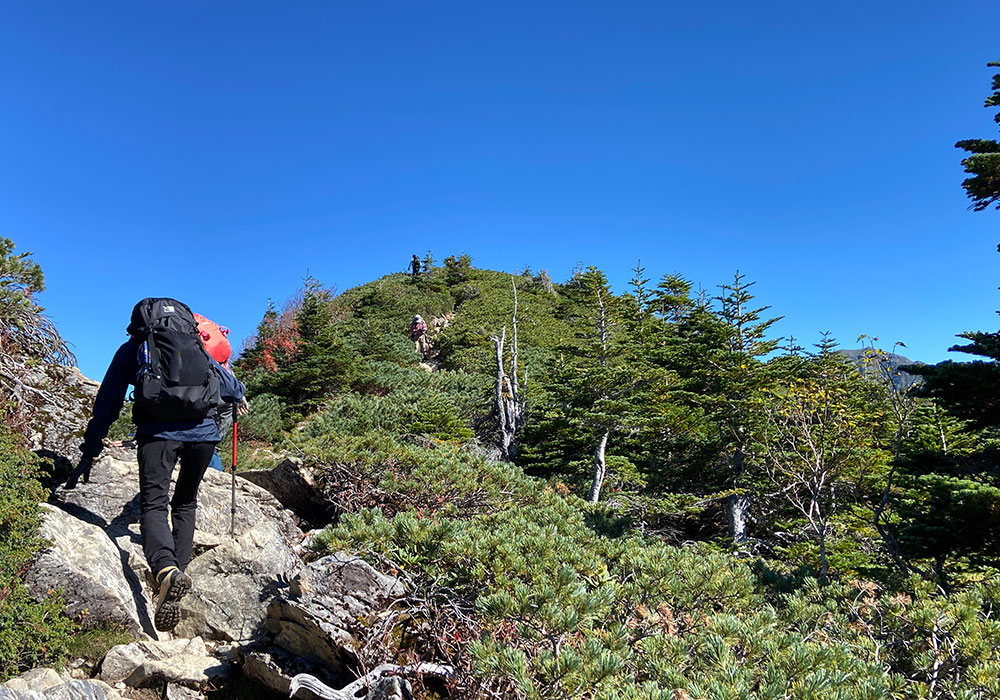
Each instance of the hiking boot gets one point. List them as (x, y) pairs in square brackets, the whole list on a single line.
[(174, 585)]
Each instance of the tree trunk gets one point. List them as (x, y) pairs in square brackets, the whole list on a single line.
[(736, 512), (502, 398), (737, 504), (508, 399), (824, 567), (600, 469), (602, 328)]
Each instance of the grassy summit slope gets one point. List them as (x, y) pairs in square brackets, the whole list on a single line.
[(482, 302), (529, 591)]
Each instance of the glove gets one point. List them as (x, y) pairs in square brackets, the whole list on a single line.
[(82, 469), (243, 407)]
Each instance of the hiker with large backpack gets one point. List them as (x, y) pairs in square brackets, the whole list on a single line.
[(178, 386)]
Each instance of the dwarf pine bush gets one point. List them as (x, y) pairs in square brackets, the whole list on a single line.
[(265, 422), (32, 633), (565, 607)]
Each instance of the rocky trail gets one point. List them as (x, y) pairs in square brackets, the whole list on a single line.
[(261, 606), (434, 328)]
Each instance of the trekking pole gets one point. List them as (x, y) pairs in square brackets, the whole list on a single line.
[(232, 508)]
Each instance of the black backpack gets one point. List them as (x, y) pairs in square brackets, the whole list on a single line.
[(176, 382)]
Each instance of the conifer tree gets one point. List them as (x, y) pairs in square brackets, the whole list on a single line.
[(946, 493), (719, 355), (601, 392), (672, 298), (983, 187), (638, 309), (743, 376), (299, 354), (324, 359)]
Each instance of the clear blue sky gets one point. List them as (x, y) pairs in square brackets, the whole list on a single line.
[(217, 151)]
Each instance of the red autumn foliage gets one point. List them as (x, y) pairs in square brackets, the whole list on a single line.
[(276, 342)]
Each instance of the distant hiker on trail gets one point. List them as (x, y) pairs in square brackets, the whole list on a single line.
[(418, 334), (177, 388), (215, 338), (415, 267)]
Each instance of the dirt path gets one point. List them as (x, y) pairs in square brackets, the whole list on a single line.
[(434, 328)]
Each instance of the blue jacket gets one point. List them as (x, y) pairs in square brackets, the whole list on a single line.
[(111, 397)]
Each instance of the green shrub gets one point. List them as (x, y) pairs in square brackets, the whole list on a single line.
[(264, 421), (31, 633), (93, 643), (401, 400), (355, 414), (123, 428), (397, 297), (552, 596), (436, 415)]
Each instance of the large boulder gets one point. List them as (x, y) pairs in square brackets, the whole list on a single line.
[(111, 501), (58, 427), (274, 669), (321, 615), (151, 664), (93, 572), (232, 583), (254, 505), (296, 487)]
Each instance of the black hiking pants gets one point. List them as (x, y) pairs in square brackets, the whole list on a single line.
[(165, 546)]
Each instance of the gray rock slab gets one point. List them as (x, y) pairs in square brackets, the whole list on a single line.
[(233, 582), (274, 668), (110, 500), (130, 544), (82, 560), (149, 664), (269, 671), (254, 505), (82, 690), (319, 616), (39, 684)]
